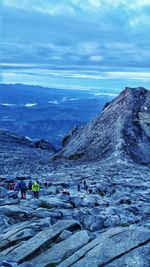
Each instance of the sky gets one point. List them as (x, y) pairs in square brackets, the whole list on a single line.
[(76, 44)]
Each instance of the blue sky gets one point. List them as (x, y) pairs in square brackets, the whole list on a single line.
[(80, 44)]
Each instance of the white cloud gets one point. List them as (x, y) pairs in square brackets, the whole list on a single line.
[(139, 20), (140, 76), (95, 58), (104, 94), (88, 48), (46, 6), (29, 105), (55, 7), (134, 4), (95, 3)]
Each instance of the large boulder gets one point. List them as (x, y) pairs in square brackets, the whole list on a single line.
[(51, 202), (14, 210)]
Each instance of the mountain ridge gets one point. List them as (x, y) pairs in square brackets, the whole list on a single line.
[(120, 131)]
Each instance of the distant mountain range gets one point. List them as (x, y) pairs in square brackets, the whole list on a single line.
[(47, 113)]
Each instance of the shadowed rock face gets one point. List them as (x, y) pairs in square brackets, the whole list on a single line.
[(19, 155), (121, 131), (69, 136)]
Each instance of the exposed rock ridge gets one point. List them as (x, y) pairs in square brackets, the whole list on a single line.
[(120, 132)]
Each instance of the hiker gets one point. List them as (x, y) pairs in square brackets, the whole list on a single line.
[(85, 185), (10, 187), (13, 184), (35, 189), (21, 186), (78, 186), (30, 185), (17, 188), (23, 189), (46, 184), (65, 192), (90, 191)]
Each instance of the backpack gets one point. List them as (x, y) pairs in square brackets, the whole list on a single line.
[(35, 187), (17, 186), (23, 184)]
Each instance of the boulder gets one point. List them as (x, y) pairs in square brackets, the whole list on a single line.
[(4, 221), (65, 234), (41, 213), (76, 201), (26, 264), (98, 224), (14, 210), (12, 194), (112, 221), (3, 192), (51, 202), (6, 201), (9, 264)]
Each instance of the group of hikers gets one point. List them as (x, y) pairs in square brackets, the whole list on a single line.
[(22, 187), (34, 187)]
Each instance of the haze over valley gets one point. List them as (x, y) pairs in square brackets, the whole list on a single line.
[(47, 113)]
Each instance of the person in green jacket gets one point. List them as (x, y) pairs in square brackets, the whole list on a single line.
[(35, 189)]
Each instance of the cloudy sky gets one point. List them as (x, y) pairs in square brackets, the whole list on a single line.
[(81, 44)]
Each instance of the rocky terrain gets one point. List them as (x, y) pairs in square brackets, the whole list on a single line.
[(95, 210)]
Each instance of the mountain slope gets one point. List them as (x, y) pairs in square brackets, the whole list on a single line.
[(121, 131)]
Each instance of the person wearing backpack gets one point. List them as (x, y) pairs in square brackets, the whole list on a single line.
[(21, 186), (30, 185), (23, 189), (17, 188), (35, 189)]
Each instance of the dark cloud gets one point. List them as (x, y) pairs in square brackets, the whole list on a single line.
[(69, 34)]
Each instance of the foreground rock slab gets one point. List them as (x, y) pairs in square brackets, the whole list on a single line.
[(61, 250), (28, 248), (19, 232), (110, 246)]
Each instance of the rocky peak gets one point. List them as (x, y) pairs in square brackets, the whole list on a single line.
[(120, 132), (43, 144)]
